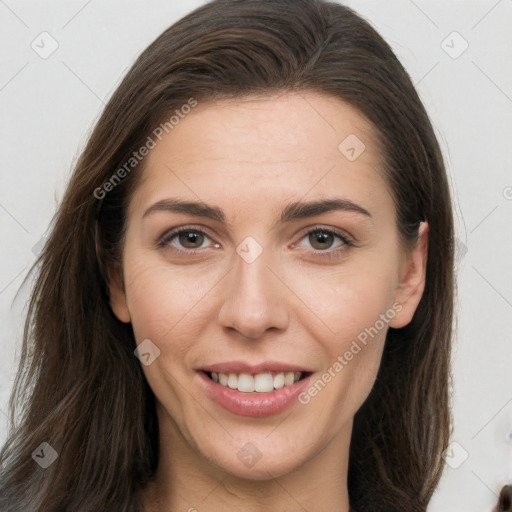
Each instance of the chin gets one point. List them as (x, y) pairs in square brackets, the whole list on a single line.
[(259, 459)]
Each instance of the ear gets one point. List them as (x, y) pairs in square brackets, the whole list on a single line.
[(118, 295), (412, 279)]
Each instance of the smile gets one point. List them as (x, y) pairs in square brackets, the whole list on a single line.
[(253, 391), (264, 382)]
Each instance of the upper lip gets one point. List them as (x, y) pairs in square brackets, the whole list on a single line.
[(243, 367)]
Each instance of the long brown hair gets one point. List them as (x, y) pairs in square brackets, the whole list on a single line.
[(79, 386)]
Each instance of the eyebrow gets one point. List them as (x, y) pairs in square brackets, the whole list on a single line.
[(292, 211)]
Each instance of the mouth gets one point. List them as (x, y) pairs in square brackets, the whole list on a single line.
[(254, 391), (261, 382)]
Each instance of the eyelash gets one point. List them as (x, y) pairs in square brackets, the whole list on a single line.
[(328, 253)]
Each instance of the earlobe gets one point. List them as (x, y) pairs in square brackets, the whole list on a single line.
[(118, 296), (412, 279)]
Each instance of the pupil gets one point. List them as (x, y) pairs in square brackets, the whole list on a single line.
[(189, 237), (323, 237)]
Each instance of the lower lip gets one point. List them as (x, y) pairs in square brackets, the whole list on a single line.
[(253, 404)]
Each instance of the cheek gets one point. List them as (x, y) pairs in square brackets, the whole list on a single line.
[(351, 318), (167, 303), (345, 301)]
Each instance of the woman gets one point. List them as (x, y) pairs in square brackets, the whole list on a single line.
[(191, 343)]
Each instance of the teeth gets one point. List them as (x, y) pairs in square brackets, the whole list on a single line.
[(289, 378), (261, 382), (233, 381), (246, 383), (279, 380)]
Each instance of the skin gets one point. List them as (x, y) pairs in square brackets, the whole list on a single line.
[(250, 158)]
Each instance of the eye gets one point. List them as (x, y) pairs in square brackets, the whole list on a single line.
[(185, 239), (188, 239), (322, 239)]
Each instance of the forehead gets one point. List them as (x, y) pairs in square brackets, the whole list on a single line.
[(282, 125), (277, 147)]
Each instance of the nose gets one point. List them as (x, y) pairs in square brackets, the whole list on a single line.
[(254, 299)]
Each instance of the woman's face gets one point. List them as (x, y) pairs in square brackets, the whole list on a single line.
[(266, 280)]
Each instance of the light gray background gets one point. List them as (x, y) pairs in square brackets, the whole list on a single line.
[(48, 107)]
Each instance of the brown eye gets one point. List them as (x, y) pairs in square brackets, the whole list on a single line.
[(186, 240), (326, 243), (321, 239), (190, 239)]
